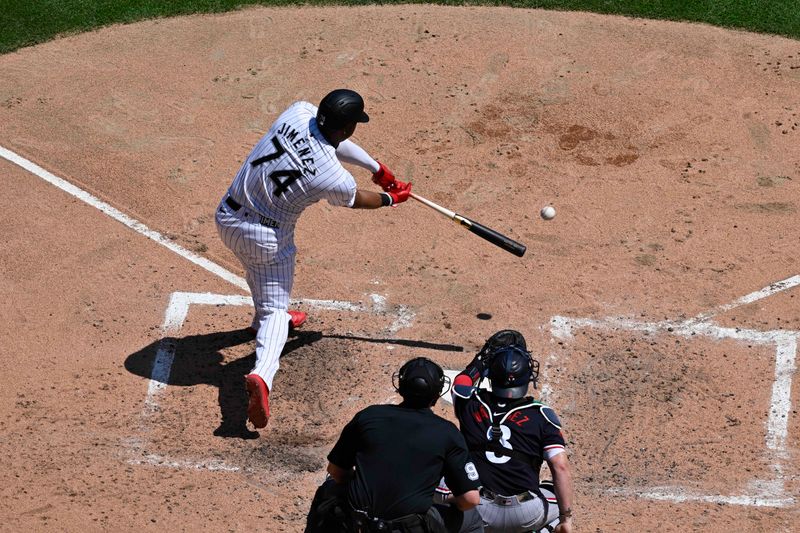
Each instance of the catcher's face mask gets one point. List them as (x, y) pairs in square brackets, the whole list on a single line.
[(511, 370)]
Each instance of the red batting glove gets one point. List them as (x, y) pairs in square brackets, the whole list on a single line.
[(399, 191), (383, 177)]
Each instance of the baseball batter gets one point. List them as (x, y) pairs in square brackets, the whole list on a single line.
[(297, 163)]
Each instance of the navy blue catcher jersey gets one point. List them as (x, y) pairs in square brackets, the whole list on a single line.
[(527, 426)]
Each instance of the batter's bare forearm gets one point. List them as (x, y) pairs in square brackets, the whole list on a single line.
[(367, 200)]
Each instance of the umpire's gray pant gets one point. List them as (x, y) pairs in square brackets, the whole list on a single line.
[(509, 515)]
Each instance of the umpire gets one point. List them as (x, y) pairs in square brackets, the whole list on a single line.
[(389, 459), (509, 436)]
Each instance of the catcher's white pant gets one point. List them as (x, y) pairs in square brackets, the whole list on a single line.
[(508, 515), (267, 255)]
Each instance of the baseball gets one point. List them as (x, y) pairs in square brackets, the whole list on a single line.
[(548, 212)]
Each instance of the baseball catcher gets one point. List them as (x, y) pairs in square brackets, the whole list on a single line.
[(509, 436)]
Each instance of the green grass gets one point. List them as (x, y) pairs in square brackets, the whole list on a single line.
[(27, 22)]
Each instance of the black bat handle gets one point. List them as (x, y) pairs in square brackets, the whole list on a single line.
[(498, 239)]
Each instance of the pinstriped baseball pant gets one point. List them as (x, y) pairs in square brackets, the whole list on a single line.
[(267, 255)]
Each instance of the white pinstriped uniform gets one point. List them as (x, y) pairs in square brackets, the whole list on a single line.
[(292, 167)]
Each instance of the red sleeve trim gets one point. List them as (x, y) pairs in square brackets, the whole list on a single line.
[(463, 379)]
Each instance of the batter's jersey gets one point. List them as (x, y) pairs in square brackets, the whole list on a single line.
[(400, 454), (292, 167), (527, 426)]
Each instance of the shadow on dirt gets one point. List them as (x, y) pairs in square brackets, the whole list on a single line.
[(198, 360)]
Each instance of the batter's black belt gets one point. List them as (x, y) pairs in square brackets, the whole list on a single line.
[(363, 523), (264, 221), (499, 499)]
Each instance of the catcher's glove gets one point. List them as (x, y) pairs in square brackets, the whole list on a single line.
[(505, 337)]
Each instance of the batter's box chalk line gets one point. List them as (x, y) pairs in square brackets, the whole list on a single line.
[(180, 301), (786, 342), (174, 318), (764, 493)]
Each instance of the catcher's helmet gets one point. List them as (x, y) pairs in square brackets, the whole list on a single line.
[(339, 108), (510, 371), (420, 381)]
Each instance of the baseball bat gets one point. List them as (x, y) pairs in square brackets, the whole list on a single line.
[(494, 237)]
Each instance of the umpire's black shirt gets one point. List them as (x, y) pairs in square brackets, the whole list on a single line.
[(400, 454)]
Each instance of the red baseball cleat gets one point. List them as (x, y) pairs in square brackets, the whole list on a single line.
[(258, 405), (297, 319)]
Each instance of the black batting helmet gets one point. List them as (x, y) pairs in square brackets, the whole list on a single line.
[(420, 381), (510, 371), (339, 108)]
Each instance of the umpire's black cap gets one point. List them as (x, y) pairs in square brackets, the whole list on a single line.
[(420, 381), (339, 108)]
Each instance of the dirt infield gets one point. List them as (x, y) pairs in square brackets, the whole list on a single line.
[(668, 346)]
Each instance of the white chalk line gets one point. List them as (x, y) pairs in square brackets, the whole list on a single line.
[(121, 217), (180, 301), (777, 425), (176, 312), (404, 316), (561, 328), (778, 419), (178, 309), (785, 358), (213, 465), (174, 318), (134, 448), (769, 290), (680, 495)]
